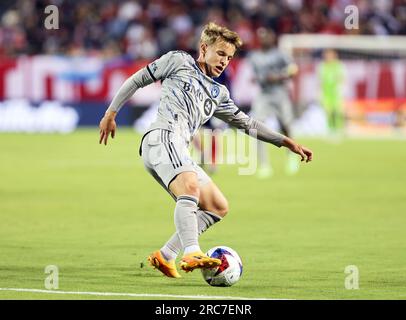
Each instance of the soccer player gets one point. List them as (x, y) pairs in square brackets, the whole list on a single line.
[(331, 74), (272, 70), (190, 97)]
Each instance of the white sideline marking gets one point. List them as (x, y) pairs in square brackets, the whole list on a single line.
[(139, 295)]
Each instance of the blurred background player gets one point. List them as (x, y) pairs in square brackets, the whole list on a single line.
[(272, 70), (331, 75)]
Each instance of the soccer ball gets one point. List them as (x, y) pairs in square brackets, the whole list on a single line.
[(230, 270)]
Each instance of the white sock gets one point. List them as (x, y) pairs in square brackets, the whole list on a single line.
[(173, 246), (190, 249), (186, 220)]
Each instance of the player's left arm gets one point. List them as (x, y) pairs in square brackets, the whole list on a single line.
[(231, 114), (305, 153)]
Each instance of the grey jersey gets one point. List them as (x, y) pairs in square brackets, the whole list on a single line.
[(271, 61), (189, 98)]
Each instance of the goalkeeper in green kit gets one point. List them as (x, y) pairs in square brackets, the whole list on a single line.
[(331, 75)]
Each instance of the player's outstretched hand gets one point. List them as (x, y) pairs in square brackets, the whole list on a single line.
[(305, 153), (107, 127)]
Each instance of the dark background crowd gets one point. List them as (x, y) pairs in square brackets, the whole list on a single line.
[(146, 29)]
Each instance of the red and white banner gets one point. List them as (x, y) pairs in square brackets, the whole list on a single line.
[(81, 79)]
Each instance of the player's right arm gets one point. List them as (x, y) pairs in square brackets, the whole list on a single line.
[(155, 71), (108, 124)]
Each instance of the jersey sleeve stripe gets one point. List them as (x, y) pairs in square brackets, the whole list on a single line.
[(150, 73)]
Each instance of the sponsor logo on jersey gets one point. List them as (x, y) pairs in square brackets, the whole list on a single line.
[(195, 91)]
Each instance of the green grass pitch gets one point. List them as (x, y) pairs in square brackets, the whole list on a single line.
[(94, 212)]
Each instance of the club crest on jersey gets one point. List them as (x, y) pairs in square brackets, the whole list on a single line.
[(208, 106), (215, 90)]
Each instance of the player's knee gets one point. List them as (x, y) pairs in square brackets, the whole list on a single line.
[(185, 184), (221, 208), (222, 212), (191, 187)]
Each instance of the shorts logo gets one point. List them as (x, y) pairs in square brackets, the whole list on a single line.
[(215, 90), (208, 106)]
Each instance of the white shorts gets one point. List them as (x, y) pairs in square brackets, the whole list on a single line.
[(165, 155)]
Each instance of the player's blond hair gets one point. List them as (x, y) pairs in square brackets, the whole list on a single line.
[(212, 31)]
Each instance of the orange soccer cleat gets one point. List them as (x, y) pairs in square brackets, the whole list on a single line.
[(168, 268), (198, 260)]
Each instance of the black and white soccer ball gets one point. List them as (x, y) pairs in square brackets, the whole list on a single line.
[(230, 270)]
